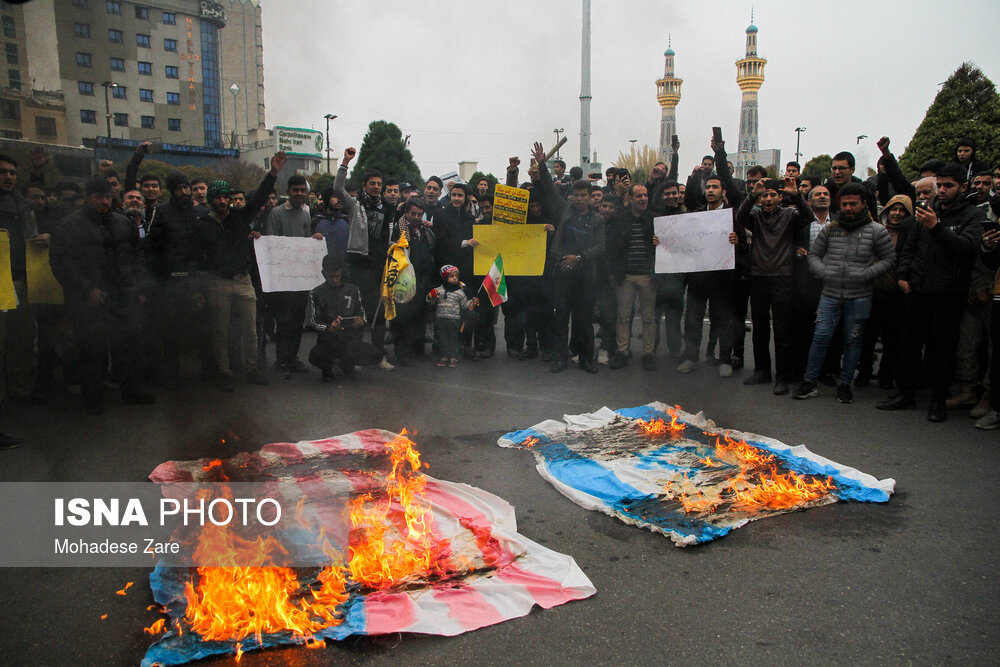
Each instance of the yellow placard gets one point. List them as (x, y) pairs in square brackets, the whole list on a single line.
[(510, 206), (522, 247), (42, 285), (8, 297)]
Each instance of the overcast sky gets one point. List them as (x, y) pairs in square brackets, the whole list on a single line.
[(479, 81)]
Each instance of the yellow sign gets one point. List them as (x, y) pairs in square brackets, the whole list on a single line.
[(42, 285), (522, 247), (8, 298), (510, 206)]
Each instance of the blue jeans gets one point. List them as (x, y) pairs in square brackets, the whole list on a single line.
[(829, 313)]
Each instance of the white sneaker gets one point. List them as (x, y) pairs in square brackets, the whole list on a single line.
[(686, 366), (989, 422), (385, 365), (575, 359), (602, 357), (725, 371)]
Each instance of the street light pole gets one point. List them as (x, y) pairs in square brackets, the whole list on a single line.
[(107, 111), (235, 90), (558, 132), (632, 141), (798, 138), (862, 136), (328, 117)]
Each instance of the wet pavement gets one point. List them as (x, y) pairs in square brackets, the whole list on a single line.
[(912, 581)]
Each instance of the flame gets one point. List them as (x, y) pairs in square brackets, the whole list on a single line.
[(103, 616), (777, 491), (122, 591), (530, 442), (402, 517), (658, 427), (156, 628)]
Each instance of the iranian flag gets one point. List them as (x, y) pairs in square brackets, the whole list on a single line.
[(495, 282)]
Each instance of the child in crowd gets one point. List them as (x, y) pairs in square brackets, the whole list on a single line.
[(449, 300)]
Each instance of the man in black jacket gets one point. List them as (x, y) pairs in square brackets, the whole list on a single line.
[(94, 258), (630, 259), (226, 242), (339, 317), (934, 270)]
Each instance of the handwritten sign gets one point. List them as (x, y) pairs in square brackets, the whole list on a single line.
[(522, 247), (288, 263), (42, 285), (694, 242), (510, 206)]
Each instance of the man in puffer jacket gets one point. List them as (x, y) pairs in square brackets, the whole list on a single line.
[(848, 256)]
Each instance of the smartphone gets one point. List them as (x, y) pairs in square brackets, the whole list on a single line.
[(594, 175), (924, 205), (717, 134)]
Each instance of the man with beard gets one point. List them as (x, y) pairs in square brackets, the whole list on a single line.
[(842, 169), (630, 260), (848, 256), (370, 221), (93, 257), (934, 272), (226, 241)]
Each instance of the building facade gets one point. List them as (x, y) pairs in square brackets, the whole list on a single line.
[(668, 94), (749, 77), (142, 71)]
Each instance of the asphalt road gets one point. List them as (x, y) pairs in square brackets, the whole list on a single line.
[(913, 581)]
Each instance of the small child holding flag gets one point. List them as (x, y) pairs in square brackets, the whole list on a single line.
[(449, 299)]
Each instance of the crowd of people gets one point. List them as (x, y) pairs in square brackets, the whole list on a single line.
[(835, 269)]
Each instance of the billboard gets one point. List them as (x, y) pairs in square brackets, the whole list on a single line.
[(298, 141)]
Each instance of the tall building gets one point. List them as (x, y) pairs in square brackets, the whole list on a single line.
[(162, 67), (668, 94), (750, 77)]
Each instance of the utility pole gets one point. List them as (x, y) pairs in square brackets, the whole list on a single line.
[(585, 91), (798, 137), (328, 117), (558, 133)]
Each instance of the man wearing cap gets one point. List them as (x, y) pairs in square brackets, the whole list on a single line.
[(94, 258), (226, 242)]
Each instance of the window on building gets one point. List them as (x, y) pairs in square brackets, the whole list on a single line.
[(117, 64), (142, 41), (9, 30), (80, 3), (14, 78), (11, 134), (172, 72), (45, 127), (116, 36), (147, 122), (146, 68), (169, 44), (119, 92), (113, 7), (85, 87), (169, 18), (81, 30), (141, 13), (88, 116), (82, 59), (10, 110), (121, 119), (173, 98), (174, 124), (11, 49), (145, 95)]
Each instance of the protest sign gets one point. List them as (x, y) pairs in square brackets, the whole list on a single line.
[(288, 263), (694, 242), (522, 247), (42, 285), (510, 205)]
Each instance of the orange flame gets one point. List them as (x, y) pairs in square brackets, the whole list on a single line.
[(156, 628), (658, 427), (122, 591), (530, 442)]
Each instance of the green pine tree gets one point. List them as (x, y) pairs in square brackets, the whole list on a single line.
[(819, 167), (383, 149), (966, 106)]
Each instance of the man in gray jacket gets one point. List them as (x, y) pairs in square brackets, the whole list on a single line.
[(847, 256)]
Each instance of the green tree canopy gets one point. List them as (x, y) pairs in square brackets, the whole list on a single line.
[(383, 149), (819, 166), (966, 106), (489, 177)]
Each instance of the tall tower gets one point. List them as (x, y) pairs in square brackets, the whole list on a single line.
[(750, 77), (585, 91), (668, 94)]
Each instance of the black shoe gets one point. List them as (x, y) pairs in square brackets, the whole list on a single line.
[(136, 397), (806, 390), (297, 366), (618, 360), (486, 354), (528, 354), (736, 362), (760, 377), (899, 402), (513, 352), (9, 442), (844, 393), (648, 362), (938, 412), (780, 388), (589, 367), (558, 366)]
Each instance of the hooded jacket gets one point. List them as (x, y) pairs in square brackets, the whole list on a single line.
[(974, 165)]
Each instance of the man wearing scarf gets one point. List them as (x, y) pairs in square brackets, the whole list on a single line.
[(848, 256)]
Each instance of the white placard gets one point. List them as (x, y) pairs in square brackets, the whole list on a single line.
[(695, 242), (289, 263)]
